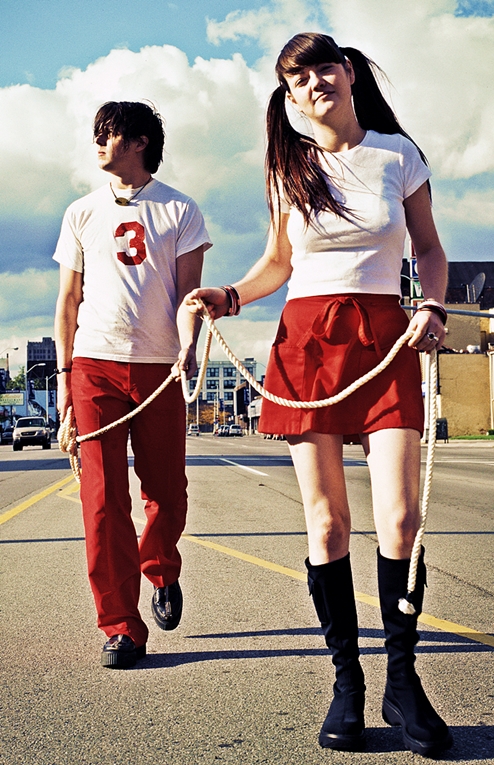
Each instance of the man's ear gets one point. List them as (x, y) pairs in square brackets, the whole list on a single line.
[(141, 142)]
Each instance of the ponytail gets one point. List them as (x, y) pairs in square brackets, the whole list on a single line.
[(371, 108)]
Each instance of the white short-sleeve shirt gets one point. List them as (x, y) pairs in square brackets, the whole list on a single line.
[(128, 258), (363, 254)]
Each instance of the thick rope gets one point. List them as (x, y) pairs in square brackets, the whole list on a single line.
[(405, 605), (69, 440)]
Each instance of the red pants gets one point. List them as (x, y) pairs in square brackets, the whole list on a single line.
[(104, 391)]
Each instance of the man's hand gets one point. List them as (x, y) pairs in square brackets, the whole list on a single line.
[(186, 362), (64, 395)]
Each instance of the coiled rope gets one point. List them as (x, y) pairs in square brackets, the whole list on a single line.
[(69, 440)]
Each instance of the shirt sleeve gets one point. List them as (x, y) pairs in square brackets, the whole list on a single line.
[(69, 250), (192, 231), (415, 171)]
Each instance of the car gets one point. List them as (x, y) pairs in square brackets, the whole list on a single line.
[(235, 430), (223, 430), (193, 430), (31, 431), (6, 435)]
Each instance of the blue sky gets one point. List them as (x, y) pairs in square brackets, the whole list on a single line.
[(208, 66)]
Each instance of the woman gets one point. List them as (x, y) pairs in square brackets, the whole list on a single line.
[(340, 204)]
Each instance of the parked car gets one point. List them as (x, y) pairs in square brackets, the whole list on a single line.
[(6, 435), (193, 430), (223, 430), (235, 430), (31, 431)]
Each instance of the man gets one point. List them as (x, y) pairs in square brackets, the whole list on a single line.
[(128, 253)]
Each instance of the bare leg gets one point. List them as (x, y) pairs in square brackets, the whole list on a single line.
[(318, 462), (393, 457), (394, 462)]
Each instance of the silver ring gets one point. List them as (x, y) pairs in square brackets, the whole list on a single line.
[(432, 336)]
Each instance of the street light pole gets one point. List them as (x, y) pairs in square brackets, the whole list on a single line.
[(39, 364), (46, 407)]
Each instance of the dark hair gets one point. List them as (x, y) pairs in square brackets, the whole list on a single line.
[(131, 120), (292, 159)]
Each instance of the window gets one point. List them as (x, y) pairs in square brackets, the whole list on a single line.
[(229, 384), (212, 384), (228, 396), (213, 372), (211, 396), (229, 372)]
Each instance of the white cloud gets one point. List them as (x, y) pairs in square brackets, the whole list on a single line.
[(27, 302), (214, 125), (471, 208), (244, 338), (271, 25), (441, 69)]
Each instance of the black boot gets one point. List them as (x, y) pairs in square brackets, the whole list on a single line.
[(405, 702), (331, 587)]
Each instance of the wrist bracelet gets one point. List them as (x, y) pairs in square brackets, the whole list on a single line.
[(435, 307), (234, 298), (68, 370)]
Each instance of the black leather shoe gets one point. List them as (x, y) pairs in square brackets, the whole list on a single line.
[(120, 652), (166, 606)]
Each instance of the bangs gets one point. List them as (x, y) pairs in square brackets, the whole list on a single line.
[(307, 49)]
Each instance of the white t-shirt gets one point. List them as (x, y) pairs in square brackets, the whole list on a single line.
[(128, 259), (363, 254)]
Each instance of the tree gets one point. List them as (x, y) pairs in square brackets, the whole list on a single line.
[(19, 381)]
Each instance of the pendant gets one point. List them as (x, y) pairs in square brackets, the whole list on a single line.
[(122, 201)]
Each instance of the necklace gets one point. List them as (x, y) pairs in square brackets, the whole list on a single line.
[(123, 201)]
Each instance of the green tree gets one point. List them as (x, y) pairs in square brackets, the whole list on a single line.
[(19, 381)]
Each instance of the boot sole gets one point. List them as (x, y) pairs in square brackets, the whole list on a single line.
[(344, 743), (393, 716)]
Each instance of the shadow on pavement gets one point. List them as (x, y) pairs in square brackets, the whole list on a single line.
[(473, 743), (50, 463)]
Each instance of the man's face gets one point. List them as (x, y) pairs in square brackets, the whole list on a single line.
[(112, 152)]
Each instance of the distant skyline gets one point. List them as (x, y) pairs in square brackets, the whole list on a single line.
[(208, 66)]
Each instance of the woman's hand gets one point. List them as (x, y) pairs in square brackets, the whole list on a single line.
[(215, 299), (425, 323)]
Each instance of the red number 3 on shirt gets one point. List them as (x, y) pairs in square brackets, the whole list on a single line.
[(136, 243)]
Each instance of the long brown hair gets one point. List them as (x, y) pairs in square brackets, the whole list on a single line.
[(293, 168)]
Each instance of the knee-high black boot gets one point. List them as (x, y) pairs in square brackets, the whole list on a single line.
[(405, 702), (331, 587)]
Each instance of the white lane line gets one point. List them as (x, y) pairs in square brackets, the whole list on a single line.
[(244, 467), (465, 462)]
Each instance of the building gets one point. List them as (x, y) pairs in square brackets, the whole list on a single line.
[(222, 384), (41, 359)]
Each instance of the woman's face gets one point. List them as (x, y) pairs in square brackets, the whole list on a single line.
[(320, 90)]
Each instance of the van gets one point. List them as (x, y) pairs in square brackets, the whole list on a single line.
[(193, 430)]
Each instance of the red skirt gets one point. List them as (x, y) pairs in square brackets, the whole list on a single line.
[(324, 344)]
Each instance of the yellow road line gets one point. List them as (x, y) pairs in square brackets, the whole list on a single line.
[(72, 488), (32, 501), (431, 621)]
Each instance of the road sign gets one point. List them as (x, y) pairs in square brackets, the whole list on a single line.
[(11, 399)]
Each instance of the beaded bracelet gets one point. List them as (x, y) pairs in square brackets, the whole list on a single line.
[(234, 298), (435, 307)]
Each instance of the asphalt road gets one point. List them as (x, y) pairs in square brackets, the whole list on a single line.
[(245, 678)]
